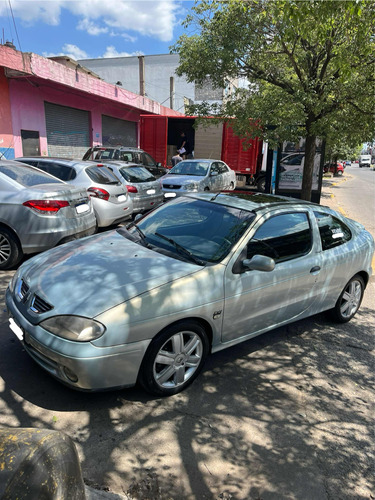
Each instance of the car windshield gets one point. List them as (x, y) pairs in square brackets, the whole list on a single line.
[(136, 174), (102, 175), (198, 168), (192, 229), (28, 176)]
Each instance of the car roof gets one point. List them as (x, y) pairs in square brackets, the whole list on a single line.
[(249, 200), (121, 164), (80, 164), (121, 148), (197, 160)]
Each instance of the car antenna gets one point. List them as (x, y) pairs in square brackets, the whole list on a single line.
[(215, 196)]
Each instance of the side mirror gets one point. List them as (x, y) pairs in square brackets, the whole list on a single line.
[(158, 164), (259, 263), (213, 174), (137, 217)]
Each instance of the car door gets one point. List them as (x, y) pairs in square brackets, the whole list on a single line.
[(259, 300), (339, 255), (215, 178), (225, 175)]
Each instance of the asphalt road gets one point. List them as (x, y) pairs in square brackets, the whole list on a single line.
[(288, 415)]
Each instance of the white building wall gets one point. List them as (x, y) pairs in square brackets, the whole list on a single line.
[(158, 70)]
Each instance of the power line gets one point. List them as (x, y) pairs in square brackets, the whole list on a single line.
[(15, 27)]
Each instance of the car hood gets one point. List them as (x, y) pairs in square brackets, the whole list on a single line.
[(89, 276), (181, 179)]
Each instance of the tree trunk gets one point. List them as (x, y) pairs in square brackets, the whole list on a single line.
[(308, 170)]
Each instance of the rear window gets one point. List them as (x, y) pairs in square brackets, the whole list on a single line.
[(136, 174), (102, 175), (27, 176)]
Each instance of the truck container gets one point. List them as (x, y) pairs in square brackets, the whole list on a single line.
[(364, 161), (160, 136)]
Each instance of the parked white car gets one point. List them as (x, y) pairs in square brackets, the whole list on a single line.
[(198, 175)]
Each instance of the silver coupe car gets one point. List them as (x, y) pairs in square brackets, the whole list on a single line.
[(148, 302), (198, 175), (38, 212)]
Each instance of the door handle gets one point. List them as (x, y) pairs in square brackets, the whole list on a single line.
[(315, 269)]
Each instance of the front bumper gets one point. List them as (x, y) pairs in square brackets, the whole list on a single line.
[(81, 365)]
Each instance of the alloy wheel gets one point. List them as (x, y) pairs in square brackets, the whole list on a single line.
[(351, 299), (178, 359), (5, 249)]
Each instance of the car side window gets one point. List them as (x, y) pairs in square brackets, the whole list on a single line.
[(222, 168), (148, 160), (332, 231), (293, 160), (282, 237), (62, 172), (215, 168)]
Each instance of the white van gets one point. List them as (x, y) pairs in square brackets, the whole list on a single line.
[(364, 161)]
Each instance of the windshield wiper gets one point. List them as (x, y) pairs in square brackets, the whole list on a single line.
[(140, 232), (181, 249)]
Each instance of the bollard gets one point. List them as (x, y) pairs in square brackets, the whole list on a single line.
[(39, 464)]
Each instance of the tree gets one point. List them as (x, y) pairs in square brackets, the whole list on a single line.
[(308, 65)]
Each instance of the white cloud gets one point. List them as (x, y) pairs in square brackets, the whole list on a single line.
[(76, 53), (30, 11), (90, 27), (69, 50), (155, 18), (112, 52), (125, 36)]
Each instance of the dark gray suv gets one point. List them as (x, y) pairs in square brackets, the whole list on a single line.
[(126, 154)]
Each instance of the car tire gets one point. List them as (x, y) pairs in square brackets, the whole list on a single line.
[(231, 187), (349, 301), (339, 173), (10, 249), (174, 359)]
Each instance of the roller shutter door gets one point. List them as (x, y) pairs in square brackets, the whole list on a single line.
[(68, 131), (117, 132)]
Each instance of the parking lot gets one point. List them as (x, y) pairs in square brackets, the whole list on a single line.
[(286, 415)]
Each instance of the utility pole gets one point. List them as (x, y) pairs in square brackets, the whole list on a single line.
[(141, 60), (171, 92)]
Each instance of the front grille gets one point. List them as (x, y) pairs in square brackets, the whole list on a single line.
[(39, 306), (171, 186), (24, 289)]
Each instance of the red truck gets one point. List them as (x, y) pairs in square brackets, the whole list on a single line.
[(160, 135)]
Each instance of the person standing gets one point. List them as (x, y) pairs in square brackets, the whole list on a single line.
[(184, 146)]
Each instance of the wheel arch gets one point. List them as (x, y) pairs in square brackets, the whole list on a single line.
[(364, 276), (200, 321), (12, 231)]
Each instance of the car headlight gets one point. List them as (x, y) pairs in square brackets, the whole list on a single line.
[(13, 281), (75, 328), (191, 186)]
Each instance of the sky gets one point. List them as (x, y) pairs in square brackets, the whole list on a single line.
[(88, 29)]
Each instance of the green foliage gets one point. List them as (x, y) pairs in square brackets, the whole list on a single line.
[(310, 66)]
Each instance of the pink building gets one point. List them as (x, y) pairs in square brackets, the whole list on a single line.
[(55, 107)]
